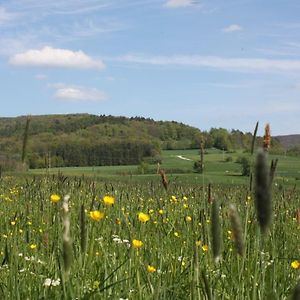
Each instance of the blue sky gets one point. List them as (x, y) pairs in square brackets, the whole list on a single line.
[(207, 63)]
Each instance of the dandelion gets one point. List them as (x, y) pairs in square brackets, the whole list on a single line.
[(137, 244), (188, 218), (33, 246), (143, 217), (151, 269), (205, 248), (109, 200), (96, 215), (295, 264), (55, 198), (161, 212)]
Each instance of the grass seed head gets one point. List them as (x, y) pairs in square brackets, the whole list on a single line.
[(237, 230), (263, 201)]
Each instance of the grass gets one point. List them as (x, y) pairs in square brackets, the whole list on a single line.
[(96, 258), (216, 170), (175, 260)]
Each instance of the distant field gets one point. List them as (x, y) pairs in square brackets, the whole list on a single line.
[(179, 167)]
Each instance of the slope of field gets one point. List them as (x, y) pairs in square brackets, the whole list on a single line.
[(217, 169)]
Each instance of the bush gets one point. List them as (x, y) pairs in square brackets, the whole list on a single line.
[(198, 166), (228, 159), (245, 166)]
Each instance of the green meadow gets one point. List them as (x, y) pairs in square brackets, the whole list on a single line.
[(220, 167), (111, 233)]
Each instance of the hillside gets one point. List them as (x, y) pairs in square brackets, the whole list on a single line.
[(84, 139), (91, 140), (289, 141)]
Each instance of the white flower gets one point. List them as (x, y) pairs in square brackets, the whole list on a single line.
[(56, 282), (47, 282), (51, 282)]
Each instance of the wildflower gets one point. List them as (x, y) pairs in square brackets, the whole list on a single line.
[(188, 218), (176, 234), (136, 244), (151, 269), (118, 221), (109, 200), (33, 246), (198, 243), (185, 198), (161, 212), (51, 282), (13, 223), (96, 215), (185, 206), (205, 248), (55, 198), (295, 264), (96, 284), (47, 282), (151, 211), (143, 217)]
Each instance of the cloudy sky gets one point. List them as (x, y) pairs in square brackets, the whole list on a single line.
[(207, 63)]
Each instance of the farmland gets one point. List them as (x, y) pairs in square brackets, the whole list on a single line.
[(218, 169), (129, 238)]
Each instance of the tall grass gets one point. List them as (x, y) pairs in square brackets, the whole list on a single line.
[(176, 259)]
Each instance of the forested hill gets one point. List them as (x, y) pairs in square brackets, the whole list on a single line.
[(90, 140), (83, 139)]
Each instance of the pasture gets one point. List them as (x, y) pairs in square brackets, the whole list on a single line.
[(126, 237)]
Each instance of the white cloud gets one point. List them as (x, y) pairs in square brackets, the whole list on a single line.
[(78, 93), (56, 58), (40, 76), (6, 16), (217, 62), (232, 28), (178, 3)]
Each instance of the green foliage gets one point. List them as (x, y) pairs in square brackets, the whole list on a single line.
[(245, 164)]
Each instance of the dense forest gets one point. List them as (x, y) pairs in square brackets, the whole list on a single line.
[(90, 140)]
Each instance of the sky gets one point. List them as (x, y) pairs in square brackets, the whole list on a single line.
[(206, 63)]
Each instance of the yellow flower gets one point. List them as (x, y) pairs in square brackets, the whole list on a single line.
[(198, 243), (143, 217), (176, 234), (185, 206), (109, 200), (151, 211), (151, 269), (13, 222), (136, 244), (161, 212), (55, 198), (33, 246), (205, 248), (295, 264), (188, 218), (96, 215), (173, 198), (185, 198)]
